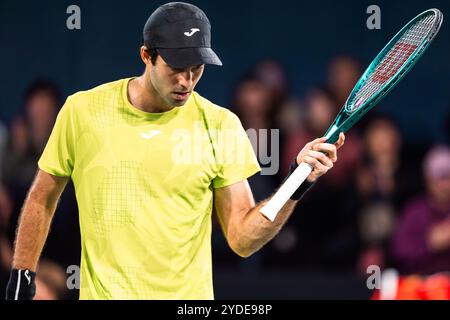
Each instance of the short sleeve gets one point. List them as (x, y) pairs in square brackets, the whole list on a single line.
[(236, 159), (58, 156)]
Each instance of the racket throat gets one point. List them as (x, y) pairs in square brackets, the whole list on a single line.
[(332, 131), (335, 129)]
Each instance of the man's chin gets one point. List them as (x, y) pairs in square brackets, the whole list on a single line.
[(178, 103), (179, 99)]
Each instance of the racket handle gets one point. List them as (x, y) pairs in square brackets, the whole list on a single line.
[(287, 189)]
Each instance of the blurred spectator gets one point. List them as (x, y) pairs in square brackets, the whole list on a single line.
[(254, 103), (5, 244), (29, 132), (5, 214), (384, 182), (413, 287), (376, 175), (319, 114), (421, 243), (322, 232), (42, 102), (290, 117), (19, 164), (286, 109), (343, 73), (272, 74), (50, 281), (5, 202), (5, 256)]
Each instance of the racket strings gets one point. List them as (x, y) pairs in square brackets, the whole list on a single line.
[(395, 58)]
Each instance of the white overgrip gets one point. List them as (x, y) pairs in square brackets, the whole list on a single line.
[(287, 189)]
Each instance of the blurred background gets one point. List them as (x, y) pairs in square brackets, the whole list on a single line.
[(288, 65)]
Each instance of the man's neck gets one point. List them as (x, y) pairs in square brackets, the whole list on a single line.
[(144, 98)]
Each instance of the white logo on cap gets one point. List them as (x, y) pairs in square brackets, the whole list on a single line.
[(190, 34)]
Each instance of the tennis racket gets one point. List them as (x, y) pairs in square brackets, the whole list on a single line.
[(386, 70)]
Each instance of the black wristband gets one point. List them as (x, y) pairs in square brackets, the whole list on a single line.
[(304, 187), (21, 285)]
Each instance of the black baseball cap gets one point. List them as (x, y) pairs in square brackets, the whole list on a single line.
[(181, 34)]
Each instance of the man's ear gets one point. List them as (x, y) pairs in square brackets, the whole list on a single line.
[(145, 55)]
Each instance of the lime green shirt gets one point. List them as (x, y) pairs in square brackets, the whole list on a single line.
[(144, 186)]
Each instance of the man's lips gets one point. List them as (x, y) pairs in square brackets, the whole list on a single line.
[(181, 95)]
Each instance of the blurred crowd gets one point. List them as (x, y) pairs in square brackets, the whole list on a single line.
[(22, 142), (384, 203)]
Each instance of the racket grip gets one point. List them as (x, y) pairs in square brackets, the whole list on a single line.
[(287, 189)]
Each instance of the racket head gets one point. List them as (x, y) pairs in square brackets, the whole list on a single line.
[(393, 62)]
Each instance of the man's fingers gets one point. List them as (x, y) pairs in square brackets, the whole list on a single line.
[(328, 148), (311, 144), (340, 141), (321, 157), (318, 167)]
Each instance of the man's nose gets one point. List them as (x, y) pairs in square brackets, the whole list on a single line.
[(185, 79)]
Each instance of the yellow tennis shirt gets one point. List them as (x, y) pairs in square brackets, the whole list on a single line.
[(144, 186)]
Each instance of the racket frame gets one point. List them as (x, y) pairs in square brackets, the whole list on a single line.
[(346, 117)]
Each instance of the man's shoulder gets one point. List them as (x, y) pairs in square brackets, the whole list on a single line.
[(101, 91), (212, 110)]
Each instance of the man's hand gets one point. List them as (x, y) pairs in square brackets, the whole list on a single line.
[(320, 156)]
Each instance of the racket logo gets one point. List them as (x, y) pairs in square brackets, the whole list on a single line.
[(396, 58)]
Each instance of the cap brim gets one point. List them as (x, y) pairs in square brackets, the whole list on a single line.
[(188, 57)]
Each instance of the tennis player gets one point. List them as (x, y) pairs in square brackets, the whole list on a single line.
[(145, 200)]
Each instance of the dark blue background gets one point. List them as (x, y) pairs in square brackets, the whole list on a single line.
[(304, 36)]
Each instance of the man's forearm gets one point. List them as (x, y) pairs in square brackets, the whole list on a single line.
[(245, 227), (255, 230), (32, 233)]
